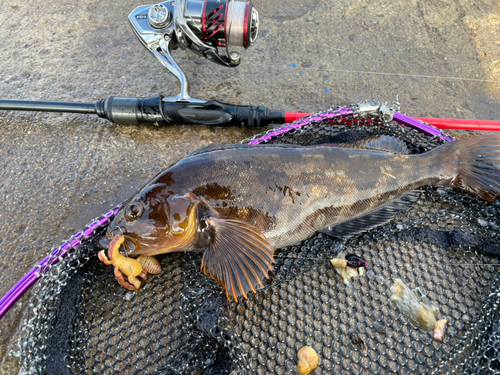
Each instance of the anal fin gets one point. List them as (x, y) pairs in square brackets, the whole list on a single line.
[(239, 256), (378, 217)]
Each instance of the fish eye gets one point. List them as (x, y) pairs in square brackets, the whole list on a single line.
[(133, 211)]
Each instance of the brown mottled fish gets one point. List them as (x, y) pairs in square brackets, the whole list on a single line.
[(238, 203)]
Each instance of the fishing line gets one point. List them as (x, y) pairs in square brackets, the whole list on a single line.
[(280, 67), (368, 269), (377, 263)]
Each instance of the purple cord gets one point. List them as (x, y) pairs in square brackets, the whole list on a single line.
[(421, 127), (62, 252), (58, 254)]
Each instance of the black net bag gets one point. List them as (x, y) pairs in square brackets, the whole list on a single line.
[(180, 322)]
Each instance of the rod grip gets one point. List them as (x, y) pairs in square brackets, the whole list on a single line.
[(157, 112)]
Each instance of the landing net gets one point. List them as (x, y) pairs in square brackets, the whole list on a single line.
[(82, 322)]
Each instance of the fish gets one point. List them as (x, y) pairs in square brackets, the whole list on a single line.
[(239, 203)]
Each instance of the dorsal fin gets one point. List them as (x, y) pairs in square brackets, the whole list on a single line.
[(382, 143), (219, 147), (387, 143), (206, 149)]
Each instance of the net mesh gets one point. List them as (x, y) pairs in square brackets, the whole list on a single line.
[(82, 322)]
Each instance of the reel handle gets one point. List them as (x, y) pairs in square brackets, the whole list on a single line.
[(159, 112)]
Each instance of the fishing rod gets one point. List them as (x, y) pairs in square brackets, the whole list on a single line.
[(207, 28)]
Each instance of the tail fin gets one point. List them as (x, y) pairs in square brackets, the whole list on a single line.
[(478, 166)]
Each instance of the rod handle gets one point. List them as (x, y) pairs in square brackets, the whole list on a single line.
[(158, 112)]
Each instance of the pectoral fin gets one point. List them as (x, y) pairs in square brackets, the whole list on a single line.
[(239, 256)]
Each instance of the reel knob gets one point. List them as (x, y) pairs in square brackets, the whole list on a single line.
[(159, 16)]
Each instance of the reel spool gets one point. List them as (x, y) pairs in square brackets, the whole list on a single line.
[(206, 27)]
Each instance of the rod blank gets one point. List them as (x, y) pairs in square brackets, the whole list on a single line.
[(43, 106)]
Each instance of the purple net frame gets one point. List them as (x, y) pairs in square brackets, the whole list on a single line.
[(68, 247), (348, 112), (55, 256)]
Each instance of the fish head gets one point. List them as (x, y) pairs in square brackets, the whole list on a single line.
[(154, 224)]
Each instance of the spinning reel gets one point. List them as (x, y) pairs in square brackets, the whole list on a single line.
[(206, 27)]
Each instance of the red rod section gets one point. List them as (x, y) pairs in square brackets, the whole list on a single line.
[(292, 116), (461, 124), (440, 123)]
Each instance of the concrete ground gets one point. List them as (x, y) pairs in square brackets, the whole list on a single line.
[(59, 171)]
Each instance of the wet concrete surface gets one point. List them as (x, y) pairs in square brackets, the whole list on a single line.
[(59, 171)]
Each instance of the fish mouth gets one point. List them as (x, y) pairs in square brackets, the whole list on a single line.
[(129, 244)]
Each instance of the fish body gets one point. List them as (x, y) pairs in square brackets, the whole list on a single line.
[(238, 203)]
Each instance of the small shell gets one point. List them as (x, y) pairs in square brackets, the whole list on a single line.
[(440, 329), (347, 273), (149, 264), (307, 360), (338, 262)]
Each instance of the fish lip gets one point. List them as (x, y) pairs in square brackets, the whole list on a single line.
[(129, 245), (104, 241), (110, 234)]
